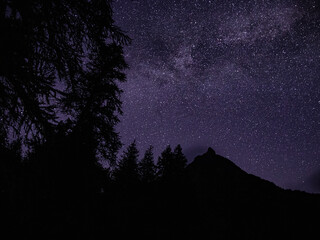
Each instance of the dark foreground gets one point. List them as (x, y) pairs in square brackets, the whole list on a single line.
[(213, 199)]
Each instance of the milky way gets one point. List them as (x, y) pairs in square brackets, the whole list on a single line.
[(239, 76)]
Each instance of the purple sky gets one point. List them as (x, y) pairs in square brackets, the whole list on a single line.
[(239, 76)]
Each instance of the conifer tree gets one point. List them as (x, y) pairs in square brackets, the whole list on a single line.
[(171, 164), (61, 56), (180, 159), (126, 172), (147, 168), (164, 163)]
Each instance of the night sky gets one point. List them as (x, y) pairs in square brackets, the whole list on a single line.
[(239, 76)]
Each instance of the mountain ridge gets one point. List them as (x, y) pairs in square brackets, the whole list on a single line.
[(223, 195), (219, 168)]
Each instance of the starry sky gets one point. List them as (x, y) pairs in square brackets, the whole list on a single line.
[(242, 77)]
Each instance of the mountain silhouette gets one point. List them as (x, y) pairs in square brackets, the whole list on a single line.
[(224, 177), (230, 203)]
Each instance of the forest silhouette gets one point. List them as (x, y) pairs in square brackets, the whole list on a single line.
[(65, 58)]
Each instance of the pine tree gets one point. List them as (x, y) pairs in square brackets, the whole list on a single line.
[(171, 164), (126, 173), (180, 159), (164, 163), (71, 44), (147, 168)]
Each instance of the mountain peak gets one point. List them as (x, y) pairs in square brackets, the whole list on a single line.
[(211, 151), (210, 160), (221, 174)]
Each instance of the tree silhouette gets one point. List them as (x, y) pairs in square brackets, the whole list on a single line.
[(171, 164), (61, 56), (147, 168), (164, 163), (126, 173), (180, 161)]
